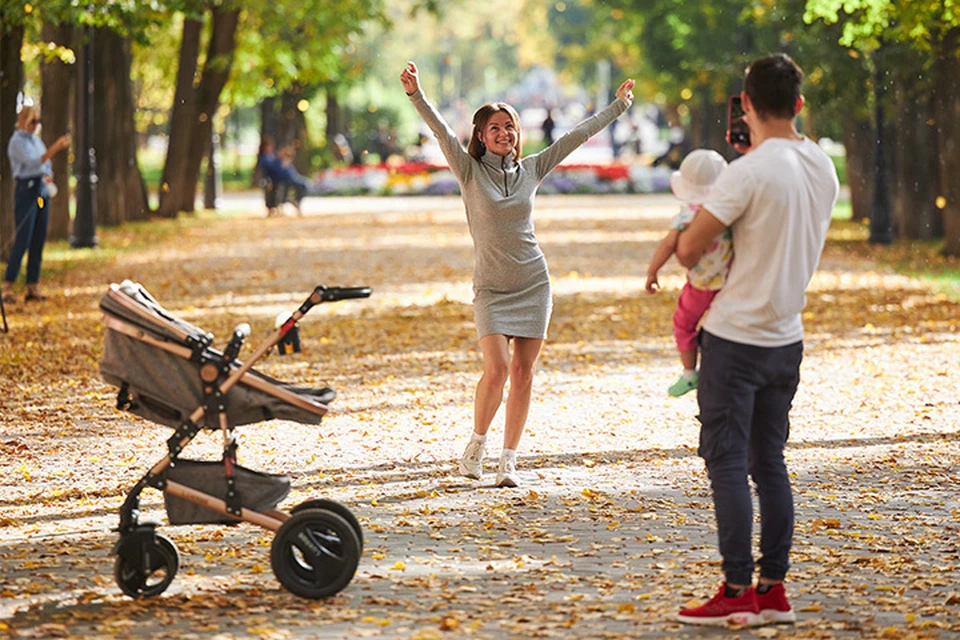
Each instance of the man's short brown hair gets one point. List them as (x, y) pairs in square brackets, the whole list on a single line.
[(773, 86)]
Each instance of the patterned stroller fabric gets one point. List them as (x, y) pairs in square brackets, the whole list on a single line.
[(155, 358)]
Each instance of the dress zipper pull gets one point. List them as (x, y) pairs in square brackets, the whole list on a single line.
[(503, 168)]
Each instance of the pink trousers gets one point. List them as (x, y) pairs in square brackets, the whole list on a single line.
[(691, 306)]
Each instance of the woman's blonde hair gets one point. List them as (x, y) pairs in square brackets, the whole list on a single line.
[(27, 113), (476, 148)]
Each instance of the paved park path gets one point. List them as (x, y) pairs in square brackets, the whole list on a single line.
[(612, 529)]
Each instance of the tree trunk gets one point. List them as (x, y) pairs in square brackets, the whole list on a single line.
[(268, 128), (335, 121), (861, 146), (121, 194), (914, 153), (268, 118), (933, 222), (947, 96), (708, 129), (216, 72), (182, 116), (293, 128), (338, 138), (11, 79), (56, 96)]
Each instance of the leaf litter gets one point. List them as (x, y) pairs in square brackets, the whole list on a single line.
[(612, 530)]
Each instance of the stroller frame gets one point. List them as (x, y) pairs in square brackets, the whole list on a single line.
[(317, 545)]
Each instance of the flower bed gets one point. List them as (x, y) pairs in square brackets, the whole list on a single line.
[(422, 178)]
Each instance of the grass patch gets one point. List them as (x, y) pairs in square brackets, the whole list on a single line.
[(920, 259), (840, 163), (842, 211), (947, 283), (236, 170), (925, 261), (130, 236)]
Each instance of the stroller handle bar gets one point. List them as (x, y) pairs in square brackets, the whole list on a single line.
[(320, 294), (332, 294)]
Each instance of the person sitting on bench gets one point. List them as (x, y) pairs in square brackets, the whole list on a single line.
[(283, 182)]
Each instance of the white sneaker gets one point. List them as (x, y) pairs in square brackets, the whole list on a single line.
[(471, 464), (507, 473)]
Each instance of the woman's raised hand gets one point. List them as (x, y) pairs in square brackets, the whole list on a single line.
[(410, 79), (625, 92)]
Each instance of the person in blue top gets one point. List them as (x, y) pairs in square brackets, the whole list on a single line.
[(278, 168), (33, 178), (290, 177), (266, 156)]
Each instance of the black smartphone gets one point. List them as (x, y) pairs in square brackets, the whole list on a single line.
[(739, 131)]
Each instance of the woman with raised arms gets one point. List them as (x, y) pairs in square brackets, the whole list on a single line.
[(511, 284)]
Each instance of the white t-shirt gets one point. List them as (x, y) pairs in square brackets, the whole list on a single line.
[(778, 200)]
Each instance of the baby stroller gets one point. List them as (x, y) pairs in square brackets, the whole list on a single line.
[(168, 372)]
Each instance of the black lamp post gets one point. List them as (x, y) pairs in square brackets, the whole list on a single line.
[(881, 231), (84, 224)]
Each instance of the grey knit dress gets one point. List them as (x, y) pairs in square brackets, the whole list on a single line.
[(511, 284)]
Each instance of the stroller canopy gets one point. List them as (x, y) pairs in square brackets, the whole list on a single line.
[(155, 359)]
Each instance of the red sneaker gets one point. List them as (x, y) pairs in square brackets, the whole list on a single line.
[(774, 606), (722, 611)]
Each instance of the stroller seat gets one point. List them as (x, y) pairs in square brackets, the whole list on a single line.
[(155, 357)]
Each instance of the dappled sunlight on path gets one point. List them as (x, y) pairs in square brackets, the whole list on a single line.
[(613, 528)]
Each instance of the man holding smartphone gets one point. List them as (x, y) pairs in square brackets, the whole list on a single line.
[(777, 199)]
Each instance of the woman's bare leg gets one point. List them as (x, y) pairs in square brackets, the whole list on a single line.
[(525, 354), (489, 395), (496, 359)]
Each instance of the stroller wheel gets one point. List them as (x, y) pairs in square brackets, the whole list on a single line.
[(315, 553), (337, 508), (147, 568)]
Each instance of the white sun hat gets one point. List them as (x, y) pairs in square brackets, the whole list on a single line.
[(698, 171)]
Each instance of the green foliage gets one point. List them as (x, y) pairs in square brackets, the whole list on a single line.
[(694, 52), (236, 169), (154, 73), (467, 53), (123, 16), (681, 51), (867, 23), (906, 31), (870, 19), (297, 41)]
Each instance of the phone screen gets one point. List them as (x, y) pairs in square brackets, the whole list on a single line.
[(739, 131)]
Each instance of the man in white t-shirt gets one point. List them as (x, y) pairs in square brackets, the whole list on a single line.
[(777, 199)]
